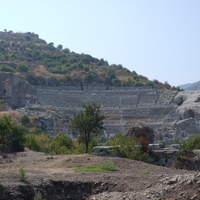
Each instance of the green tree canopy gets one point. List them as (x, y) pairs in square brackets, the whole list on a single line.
[(88, 123)]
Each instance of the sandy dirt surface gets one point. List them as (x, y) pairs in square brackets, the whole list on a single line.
[(131, 180)]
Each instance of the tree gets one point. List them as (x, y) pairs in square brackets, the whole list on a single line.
[(59, 47), (11, 136), (88, 123)]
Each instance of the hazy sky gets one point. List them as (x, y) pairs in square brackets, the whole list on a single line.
[(159, 39)]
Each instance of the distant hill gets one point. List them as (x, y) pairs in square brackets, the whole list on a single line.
[(191, 86), (185, 86), (41, 63)]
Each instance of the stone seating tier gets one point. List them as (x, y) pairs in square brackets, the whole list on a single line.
[(63, 98), (120, 105)]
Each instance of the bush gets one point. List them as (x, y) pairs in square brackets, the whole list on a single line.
[(185, 153), (56, 70), (6, 68), (193, 142), (41, 142), (31, 142), (17, 138), (38, 196), (22, 174), (25, 120), (149, 84), (22, 67), (11, 136), (126, 147), (61, 144), (138, 84)]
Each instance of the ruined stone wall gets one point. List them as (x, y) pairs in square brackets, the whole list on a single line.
[(171, 114), (124, 107), (15, 91), (120, 98), (97, 88)]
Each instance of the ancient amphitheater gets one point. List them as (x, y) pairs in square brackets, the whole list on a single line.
[(173, 115)]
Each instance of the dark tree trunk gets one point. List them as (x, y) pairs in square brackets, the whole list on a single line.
[(86, 149), (86, 146)]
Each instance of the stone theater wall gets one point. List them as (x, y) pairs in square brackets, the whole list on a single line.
[(124, 106), (173, 115), (15, 92)]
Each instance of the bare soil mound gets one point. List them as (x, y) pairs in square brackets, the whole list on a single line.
[(54, 177)]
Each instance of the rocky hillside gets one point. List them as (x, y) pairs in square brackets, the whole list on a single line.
[(41, 63)]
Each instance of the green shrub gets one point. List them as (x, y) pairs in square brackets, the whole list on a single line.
[(185, 153), (6, 68), (63, 140), (126, 147), (38, 196), (25, 120), (138, 84), (56, 70), (193, 142), (149, 84), (22, 174), (31, 142), (145, 171), (61, 144), (11, 136), (155, 81), (79, 147), (17, 138), (44, 141), (86, 69), (22, 67)]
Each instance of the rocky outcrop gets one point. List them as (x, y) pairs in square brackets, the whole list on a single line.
[(189, 106)]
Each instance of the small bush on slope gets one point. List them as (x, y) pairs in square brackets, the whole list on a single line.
[(193, 142), (126, 146)]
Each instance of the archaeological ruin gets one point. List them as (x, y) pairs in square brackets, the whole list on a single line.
[(173, 115)]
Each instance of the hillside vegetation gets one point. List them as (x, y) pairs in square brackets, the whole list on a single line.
[(41, 63)]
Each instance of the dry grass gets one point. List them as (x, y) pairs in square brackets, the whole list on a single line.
[(40, 70), (15, 116)]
